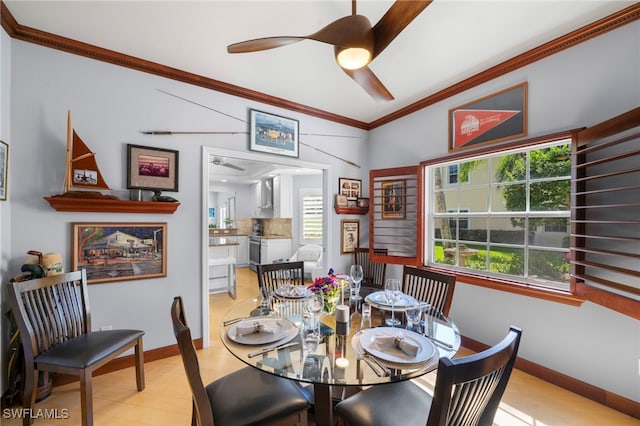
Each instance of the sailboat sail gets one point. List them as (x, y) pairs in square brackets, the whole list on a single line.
[(82, 169)]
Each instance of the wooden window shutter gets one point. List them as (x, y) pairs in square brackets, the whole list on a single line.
[(605, 223), (396, 220)]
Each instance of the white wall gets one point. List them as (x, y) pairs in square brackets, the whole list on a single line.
[(110, 106), (5, 209), (580, 87)]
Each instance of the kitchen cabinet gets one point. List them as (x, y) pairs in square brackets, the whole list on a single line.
[(243, 250), (274, 249), (282, 191)]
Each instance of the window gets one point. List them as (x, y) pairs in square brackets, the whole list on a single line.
[(311, 216), (515, 221)]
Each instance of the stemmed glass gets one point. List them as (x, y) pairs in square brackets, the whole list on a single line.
[(313, 306), (356, 277), (392, 291)]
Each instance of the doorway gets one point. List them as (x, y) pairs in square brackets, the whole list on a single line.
[(259, 163)]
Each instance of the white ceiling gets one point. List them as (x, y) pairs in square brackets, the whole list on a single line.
[(448, 42)]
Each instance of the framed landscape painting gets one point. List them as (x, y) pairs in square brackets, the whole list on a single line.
[(152, 168), (119, 251), (273, 134)]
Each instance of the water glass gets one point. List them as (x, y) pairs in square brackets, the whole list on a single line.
[(413, 312), (365, 322), (310, 331), (265, 301)]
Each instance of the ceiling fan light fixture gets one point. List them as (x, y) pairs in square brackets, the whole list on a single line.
[(353, 58)]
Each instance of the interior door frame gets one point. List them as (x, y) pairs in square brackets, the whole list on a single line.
[(327, 220)]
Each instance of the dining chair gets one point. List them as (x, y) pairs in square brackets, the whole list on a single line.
[(273, 275), (373, 273), (429, 286), (468, 391), (246, 396)]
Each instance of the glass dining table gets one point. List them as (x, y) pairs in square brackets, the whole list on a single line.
[(345, 359)]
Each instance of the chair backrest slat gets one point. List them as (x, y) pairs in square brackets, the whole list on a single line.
[(52, 309), (373, 273), (273, 275), (468, 390), (429, 286)]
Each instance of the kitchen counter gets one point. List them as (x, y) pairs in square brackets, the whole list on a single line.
[(222, 242)]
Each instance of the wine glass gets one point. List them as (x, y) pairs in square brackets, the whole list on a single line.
[(392, 291), (356, 278), (314, 305)]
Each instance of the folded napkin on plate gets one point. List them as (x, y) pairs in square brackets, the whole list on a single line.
[(255, 327), (399, 342), (296, 291)]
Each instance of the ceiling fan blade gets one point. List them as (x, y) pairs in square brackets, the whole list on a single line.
[(232, 166), (399, 15), (370, 83), (265, 43)]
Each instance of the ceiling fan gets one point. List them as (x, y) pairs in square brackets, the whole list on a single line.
[(217, 161), (356, 43)]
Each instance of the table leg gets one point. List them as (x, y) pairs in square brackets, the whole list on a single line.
[(323, 404)]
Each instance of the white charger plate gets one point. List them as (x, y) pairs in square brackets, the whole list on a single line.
[(426, 349), (380, 299), (283, 328)]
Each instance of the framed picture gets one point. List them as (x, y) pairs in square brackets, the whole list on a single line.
[(4, 167), (351, 188), (494, 118), (119, 251), (393, 199), (341, 200), (363, 202), (349, 235), (152, 168), (273, 134)]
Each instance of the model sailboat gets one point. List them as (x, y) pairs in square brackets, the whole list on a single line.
[(82, 170)]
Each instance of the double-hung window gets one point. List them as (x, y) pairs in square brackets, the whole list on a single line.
[(504, 214)]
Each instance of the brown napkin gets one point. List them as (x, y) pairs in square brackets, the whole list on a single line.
[(251, 327), (398, 342)]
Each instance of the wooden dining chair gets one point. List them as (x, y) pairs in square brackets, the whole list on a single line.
[(54, 320), (373, 273), (244, 397), (429, 286), (273, 275), (468, 391)]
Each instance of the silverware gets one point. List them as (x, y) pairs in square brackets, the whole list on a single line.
[(272, 348), (370, 360), (234, 320), (441, 343)]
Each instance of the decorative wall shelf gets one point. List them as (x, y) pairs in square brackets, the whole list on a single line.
[(351, 210), (97, 205)]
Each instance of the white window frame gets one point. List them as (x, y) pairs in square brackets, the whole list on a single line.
[(429, 232), (314, 192)]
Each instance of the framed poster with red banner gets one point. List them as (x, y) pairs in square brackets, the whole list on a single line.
[(494, 118)]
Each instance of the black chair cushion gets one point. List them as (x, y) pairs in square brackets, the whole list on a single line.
[(248, 397), (87, 349), (401, 403)]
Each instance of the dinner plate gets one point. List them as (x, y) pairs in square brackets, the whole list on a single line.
[(293, 292), (379, 298), (283, 328), (426, 349)]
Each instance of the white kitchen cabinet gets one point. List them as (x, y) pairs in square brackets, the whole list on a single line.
[(243, 250), (282, 203), (274, 249)]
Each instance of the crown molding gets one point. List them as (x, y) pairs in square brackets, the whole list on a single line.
[(595, 29)]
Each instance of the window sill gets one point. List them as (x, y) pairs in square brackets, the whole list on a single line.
[(529, 290)]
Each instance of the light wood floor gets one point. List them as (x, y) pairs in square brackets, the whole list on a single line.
[(166, 400)]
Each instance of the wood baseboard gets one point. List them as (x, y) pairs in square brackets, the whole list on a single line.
[(594, 393)]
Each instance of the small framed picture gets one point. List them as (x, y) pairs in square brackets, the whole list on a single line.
[(393, 199), (363, 202), (349, 235), (152, 168), (351, 188), (273, 134), (341, 200)]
